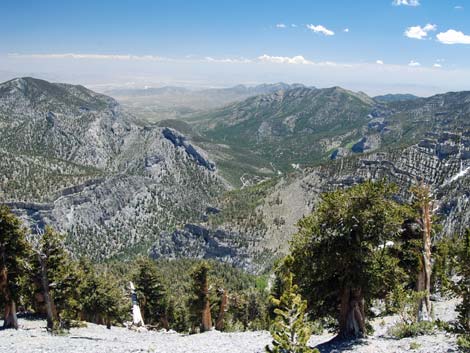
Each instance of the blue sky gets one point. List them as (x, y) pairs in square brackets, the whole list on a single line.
[(421, 46)]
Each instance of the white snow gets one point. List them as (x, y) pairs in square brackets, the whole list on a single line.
[(457, 176)]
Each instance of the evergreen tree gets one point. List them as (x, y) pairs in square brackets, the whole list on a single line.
[(463, 289), (151, 292), (199, 303), (342, 253), (55, 275), (14, 252), (290, 330), (102, 300)]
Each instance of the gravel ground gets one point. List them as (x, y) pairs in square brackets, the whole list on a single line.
[(32, 337)]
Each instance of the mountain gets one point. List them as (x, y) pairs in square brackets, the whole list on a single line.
[(74, 159), (285, 130), (156, 104), (264, 216), (117, 187), (388, 98)]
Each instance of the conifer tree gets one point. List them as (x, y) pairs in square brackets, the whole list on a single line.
[(58, 278), (14, 251), (463, 289), (342, 253), (199, 303), (102, 300), (151, 292), (290, 330)]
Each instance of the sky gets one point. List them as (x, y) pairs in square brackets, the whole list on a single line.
[(376, 46)]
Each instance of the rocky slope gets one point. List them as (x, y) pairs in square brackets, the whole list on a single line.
[(269, 221), (74, 159), (32, 337)]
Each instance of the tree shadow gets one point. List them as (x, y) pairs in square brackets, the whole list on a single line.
[(338, 344)]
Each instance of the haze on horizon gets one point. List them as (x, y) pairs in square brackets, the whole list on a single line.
[(390, 46)]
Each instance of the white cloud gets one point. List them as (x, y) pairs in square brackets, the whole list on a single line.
[(458, 7), (92, 56), (414, 63), (227, 60), (406, 2), (418, 32), (293, 25), (346, 30), (436, 65), (281, 25), (321, 29), (299, 59), (453, 37), (379, 62)]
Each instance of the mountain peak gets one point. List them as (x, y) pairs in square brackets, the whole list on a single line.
[(36, 92)]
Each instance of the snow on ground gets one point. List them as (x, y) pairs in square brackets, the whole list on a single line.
[(33, 338)]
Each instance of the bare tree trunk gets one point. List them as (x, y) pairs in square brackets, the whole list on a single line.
[(206, 319), (219, 324), (424, 276), (164, 321), (51, 319), (11, 320), (352, 315)]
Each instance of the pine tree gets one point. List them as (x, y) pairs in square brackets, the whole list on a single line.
[(151, 292), (101, 298), (343, 254), (199, 303), (463, 289), (290, 330), (14, 251)]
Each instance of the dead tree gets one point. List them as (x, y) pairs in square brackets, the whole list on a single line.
[(219, 323), (423, 204)]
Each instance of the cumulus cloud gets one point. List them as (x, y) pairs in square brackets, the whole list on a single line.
[(406, 2), (293, 25), (453, 37), (379, 62), (418, 32), (321, 29), (281, 25), (299, 59), (346, 30), (437, 65), (414, 63)]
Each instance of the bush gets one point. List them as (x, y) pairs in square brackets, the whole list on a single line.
[(415, 345), (414, 329), (463, 342)]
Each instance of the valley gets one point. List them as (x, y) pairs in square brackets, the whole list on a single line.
[(118, 185)]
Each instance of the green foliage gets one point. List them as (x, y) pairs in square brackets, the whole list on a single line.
[(346, 243), (14, 253), (151, 293), (198, 302), (463, 286), (405, 303), (102, 300), (415, 345), (445, 262), (403, 330), (290, 330), (463, 341)]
